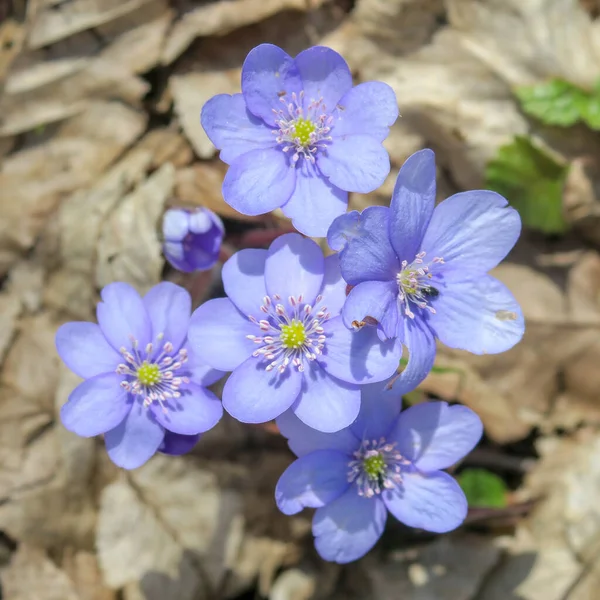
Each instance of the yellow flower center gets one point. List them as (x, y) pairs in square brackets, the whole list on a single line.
[(293, 335), (374, 466), (302, 130), (148, 374)]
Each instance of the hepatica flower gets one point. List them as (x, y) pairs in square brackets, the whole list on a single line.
[(420, 272), (299, 136), (192, 238), (386, 461), (143, 389), (280, 333)]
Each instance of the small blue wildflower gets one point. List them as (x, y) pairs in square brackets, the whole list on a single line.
[(386, 460), (299, 136), (280, 333), (143, 389), (192, 238), (420, 272)]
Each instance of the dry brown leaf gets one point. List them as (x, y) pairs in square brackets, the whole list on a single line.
[(544, 40), (10, 309), (46, 495), (139, 48), (128, 248), (82, 568), (221, 17), (55, 90), (190, 92), (33, 181), (72, 289), (562, 535), (33, 576), (12, 35), (450, 568), (53, 23), (153, 535), (30, 368)]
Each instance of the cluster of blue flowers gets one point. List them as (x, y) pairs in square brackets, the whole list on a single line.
[(314, 342)]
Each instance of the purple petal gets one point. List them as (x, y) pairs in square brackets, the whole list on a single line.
[(325, 75), (254, 395), (259, 181), (315, 203), (334, 286), (232, 128), (421, 345), (356, 163), (176, 224), (358, 356), (244, 280), (367, 253), (84, 349), (312, 481), (122, 315), (472, 231), (379, 410), (343, 229), (96, 405), (433, 435), (268, 74), (347, 528), (370, 108), (217, 334), (196, 411), (375, 299), (480, 316), (303, 439), (295, 266), (200, 372), (412, 204), (430, 501), (326, 403), (176, 444), (135, 440), (169, 307)]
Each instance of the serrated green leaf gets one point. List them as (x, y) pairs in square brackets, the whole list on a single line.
[(483, 489), (559, 102), (532, 182)]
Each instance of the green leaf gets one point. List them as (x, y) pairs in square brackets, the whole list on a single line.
[(559, 102), (532, 181), (483, 489)]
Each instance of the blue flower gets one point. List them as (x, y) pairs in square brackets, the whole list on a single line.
[(385, 461), (299, 136), (143, 389), (192, 238), (281, 334), (420, 272)]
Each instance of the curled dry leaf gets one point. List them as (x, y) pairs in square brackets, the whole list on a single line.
[(128, 248)]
